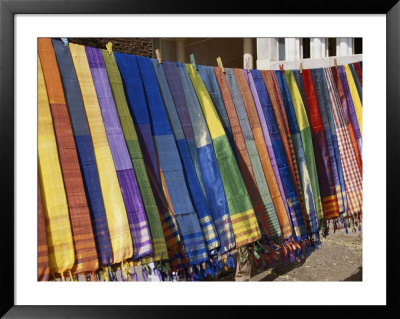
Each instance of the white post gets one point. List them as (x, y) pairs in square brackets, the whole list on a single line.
[(248, 53), (345, 46), (267, 52), (316, 48), (291, 49)]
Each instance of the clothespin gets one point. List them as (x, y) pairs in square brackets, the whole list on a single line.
[(109, 48), (219, 61), (247, 64), (158, 55), (301, 67), (193, 61), (65, 40), (281, 68), (335, 62)]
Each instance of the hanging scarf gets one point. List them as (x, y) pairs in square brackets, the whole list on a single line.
[(118, 225), (358, 69), (354, 95), (267, 184), (277, 144), (347, 117), (55, 207), (138, 225), (356, 81), (322, 157), (84, 147), (172, 93), (350, 105), (42, 249), (85, 248), (244, 221), (208, 76), (209, 166), (352, 176), (171, 166), (136, 157), (324, 104), (300, 218)]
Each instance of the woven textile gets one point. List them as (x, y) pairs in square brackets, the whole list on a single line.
[(138, 225), (171, 167), (352, 175), (136, 157), (356, 81), (117, 220), (84, 147), (210, 171), (85, 248), (277, 144), (172, 92), (354, 95), (42, 248), (305, 134), (266, 180), (244, 221), (321, 150), (299, 217), (358, 69), (54, 200)]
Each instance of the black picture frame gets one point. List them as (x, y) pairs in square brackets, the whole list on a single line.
[(8, 9)]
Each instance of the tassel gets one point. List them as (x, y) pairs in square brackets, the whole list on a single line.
[(230, 261), (70, 275), (135, 275), (62, 276), (158, 273), (121, 273), (145, 276)]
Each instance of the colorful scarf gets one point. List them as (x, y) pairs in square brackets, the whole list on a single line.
[(244, 221), (138, 225), (136, 157), (299, 216), (352, 176), (173, 95), (84, 147), (354, 95), (209, 166), (54, 200), (171, 166), (42, 247), (356, 81), (118, 225), (266, 181), (322, 154), (85, 248)]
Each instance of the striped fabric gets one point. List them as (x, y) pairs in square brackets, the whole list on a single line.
[(305, 134), (330, 135), (117, 220), (84, 147), (351, 107), (54, 200), (138, 225), (356, 81), (274, 208), (354, 95), (322, 153), (352, 176), (244, 221), (173, 95), (300, 218), (347, 117), (82, 233), (42, 248), (171, 167), (209, 166), (136, 157), (358, 69)]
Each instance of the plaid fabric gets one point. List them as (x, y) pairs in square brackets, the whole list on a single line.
[(307, 143), (172, 92), (209, 166), (356, 81), (351, 107), (347, 117), (84, 147), (117, 220), (82, 233), (300, 218), (358, 69), (352, 176), (55, 207), (171, 167), (244, 222), (136, 157), (322, 154), (138, 225), (274, 209), (42, 248), (354, 95)]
